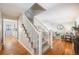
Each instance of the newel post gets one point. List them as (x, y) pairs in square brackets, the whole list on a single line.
[(51, 38), (40, 42)]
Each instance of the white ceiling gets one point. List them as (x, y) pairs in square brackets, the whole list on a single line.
[(14, 10), (57, 11)]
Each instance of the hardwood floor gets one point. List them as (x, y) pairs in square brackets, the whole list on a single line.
[(61, 48), (12, 47)]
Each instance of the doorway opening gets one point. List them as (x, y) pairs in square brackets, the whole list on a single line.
[(10, 30)]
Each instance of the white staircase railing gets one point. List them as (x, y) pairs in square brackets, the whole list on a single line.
[(45, 34), (39, 39), (33, 33)]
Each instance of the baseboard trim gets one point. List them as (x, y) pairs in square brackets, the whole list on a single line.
[(25, 47)]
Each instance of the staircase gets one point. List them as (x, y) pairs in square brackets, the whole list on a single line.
[(29, 34), (29, 38), (35, 40), (26, 40)]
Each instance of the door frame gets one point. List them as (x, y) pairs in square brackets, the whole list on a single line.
[(4, 28)]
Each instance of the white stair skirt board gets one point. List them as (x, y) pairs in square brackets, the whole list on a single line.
[(25, 47)]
